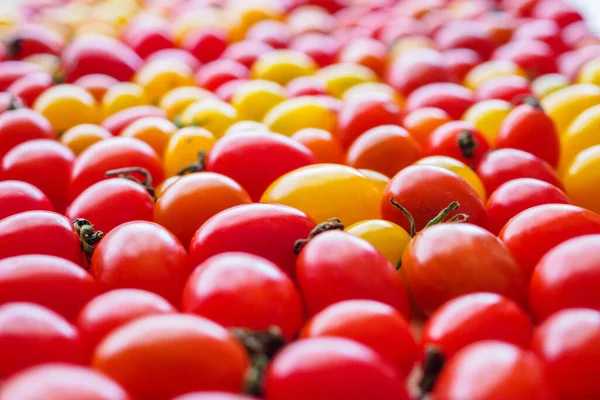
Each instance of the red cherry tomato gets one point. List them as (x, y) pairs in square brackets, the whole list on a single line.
[(459, 62), (59, 382), (10, 71), (568, 342), (467, 34), (224, 287), (17, 197), (576, 33), (459, 140), (425, 191), (257, 159), (416, 69), (546, 30), (493, 370), (206, 44), (147, 36), (120, 120), (507, 88), (30, 39), (105, 155), (571, 62), (31, 334), (450, 97), (29, 87), (503, 165), (371, 277), (246, 52), (306, 86), (566, 277), (534, 56), (212, 396), (142, 255), (371, 323), (265, 230), (113, 309), (112, 202), (560, 12), (353, 371), (274, 33), (214, 74), (475, 317), (323, 49), (21, 125), (535, 231), (195, 354), (517, 195)]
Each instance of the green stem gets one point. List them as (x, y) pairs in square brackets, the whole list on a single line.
[(88, 237), (443, 214), (407, 214)]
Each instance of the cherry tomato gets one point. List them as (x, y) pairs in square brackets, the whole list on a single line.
[(459, 140), (31, 334), (176, 54), (459, 62), (120, 120), (213, 114), (355, 372), (562, 13), (29, 87), (205, 44), (580, 174), (325, 147), (450, 97), (487, 117), (507, 88), (322, 48), (59, 381), (416, 68), (293, 115), (10, 71), (212, 396), (122, 96), (472, 35), (342, 76), (153, 130), (96, 84), (18, 196), (421, 122), (80, 137), (462, 170), (32, 39), (214, 74), (564, 105), (183, 148), (148, 35), (548, 84), (492, 69), (368, 52), (160, 76), (305, 86), (66, 106), (535, 231), (253, 99), (534, 56), (546, 30), (212, 292), (493, 370), (246, 52), (115, 308), (21, 125), (204, 354)]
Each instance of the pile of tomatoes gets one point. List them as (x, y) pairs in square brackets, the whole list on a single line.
[(299, 200)]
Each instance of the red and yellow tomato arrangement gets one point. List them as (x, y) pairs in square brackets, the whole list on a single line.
[(299, 200)]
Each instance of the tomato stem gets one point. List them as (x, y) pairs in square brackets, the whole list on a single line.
[(14, 104), (527, 99), (198, 166), (332, 224), (88, 237), (411, 220), (127, 173), (467, 143), (434, 362), (443, 214)]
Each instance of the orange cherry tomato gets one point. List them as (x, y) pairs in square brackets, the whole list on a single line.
[(325, 147)]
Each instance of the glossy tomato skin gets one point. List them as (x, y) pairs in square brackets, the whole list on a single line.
[(535, 231), (115, 308), (265, 230), (438, 258), (112, 202), (21, 125), (468, 34), (371, 277), (566, 277), (146, 37), (425, 191), (60, 381), (212, 396), (55, 231), (206, 44), (460, 61), (507, 88), (204, 355), (459, 140), (141, 255), (503, 165), (257, 159), (415, 69), (213, 75), (96, 84), (246, 52), (452, 98), (515, 132), (534, 56), (10, 71), (31, 334), (374, 324), (18, 196), (517, 195), (105, 155), (493, 370), (226, 286), (33, 39), (475, 317), (354, 372), (117, 122), (29, 87), (568, 342)]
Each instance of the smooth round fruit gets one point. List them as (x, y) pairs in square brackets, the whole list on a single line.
[(18, 196), (582, 173), (387, 237)]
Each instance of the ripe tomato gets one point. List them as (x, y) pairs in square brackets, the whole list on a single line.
[(422, 122), (452, 98), (534, 56), (121, 96), (10, 71), (204, 355), (30, 86), (475, 317), (141, 255), (80, 137), (416, 68), (176, 54), (212, 396), (468, 34), (460, 61), (20, 125), (322, 48), (325, 147), (225, 286), (372, 276), (305, 86), (148, 35), (177, 208), (547, 84), (213, 114), (535, 231), (34, 39), (17, 197), (491, 69), (282, 66), (340, 77), (579, 136), (31, 334), (96, 84), (155, 131), (274, 33), (493, 370), (580, 177), (253, 99), (568, 343), (115, 308), (371, 323), (368, 52), (265, 230), (566, 277), (443, 187), (564, 105), (507, 88), (487, 116), (438, 258), (462, 170), (160, 76), (546, 30), (246, 52), (214, 74), (387, 237), (459, 140), (120, 120), (66, 106), (293, 115)]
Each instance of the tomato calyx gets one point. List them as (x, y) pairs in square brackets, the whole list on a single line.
[(15, 103), (529, 100), (467, 143), (127, 173), (432, 366), (14, 47), (438, 219), (198, 166), (261, 346), (330, 225), (88, 237)]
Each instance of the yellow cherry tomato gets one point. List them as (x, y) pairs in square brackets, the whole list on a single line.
[(66, 106), (460, 169), (299, 113), (548, 84), (581, 134), (160, 76), (242, 15), (324, 191), (379, 179), (212, 114), (282, 66), (49, 63), (373, 87), (177, 100), (491, 69), (121, 96), (244, 126), (387, 237), (590, 72), (80, 137), (582, 177), (403, 45), (487, 116), (340, 77), (253, 99), (153, 130), (184, 147), (564, 105)]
